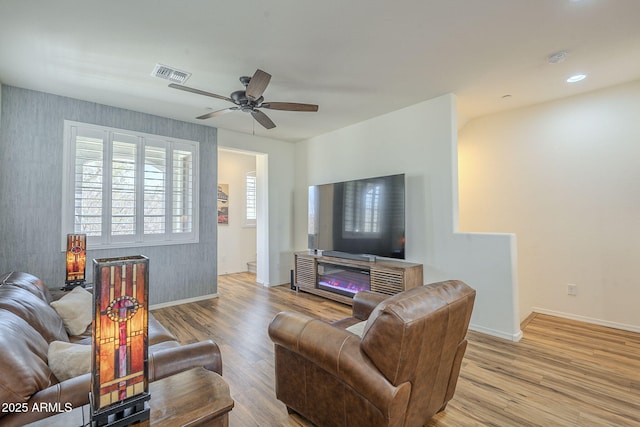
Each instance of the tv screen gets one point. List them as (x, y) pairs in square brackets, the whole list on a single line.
[(361, 217)]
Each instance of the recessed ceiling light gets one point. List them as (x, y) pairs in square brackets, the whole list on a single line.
[(576, 78)]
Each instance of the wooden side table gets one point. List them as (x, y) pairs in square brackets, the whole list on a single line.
[(192, 398)]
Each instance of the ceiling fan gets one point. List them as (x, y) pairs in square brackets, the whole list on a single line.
[(250, 100)]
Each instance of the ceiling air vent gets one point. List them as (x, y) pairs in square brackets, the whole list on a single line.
[(170, 73)]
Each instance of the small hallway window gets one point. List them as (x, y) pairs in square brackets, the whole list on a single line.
[(250, 211)]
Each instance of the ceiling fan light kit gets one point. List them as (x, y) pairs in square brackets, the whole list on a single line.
[(250, 100)]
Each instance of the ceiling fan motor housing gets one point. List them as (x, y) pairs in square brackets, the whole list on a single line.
[(241, 99)]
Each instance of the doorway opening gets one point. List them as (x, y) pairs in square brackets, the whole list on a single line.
[(243, 238)]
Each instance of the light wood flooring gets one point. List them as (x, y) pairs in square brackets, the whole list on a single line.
[(562, 373)]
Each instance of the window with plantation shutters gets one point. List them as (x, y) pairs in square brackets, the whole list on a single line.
[(125, 188), (123, 185), (251, 211), (155, 179), (182, 205)]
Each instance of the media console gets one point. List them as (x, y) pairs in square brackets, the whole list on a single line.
[(341, 278)]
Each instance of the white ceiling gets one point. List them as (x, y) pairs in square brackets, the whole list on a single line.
[(356, 59)]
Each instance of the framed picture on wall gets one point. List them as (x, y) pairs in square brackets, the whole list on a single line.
[(223, 204)]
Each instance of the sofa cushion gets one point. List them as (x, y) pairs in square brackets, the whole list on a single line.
[(35, 311), (27, 282), (23, 360), (75, 309), (67, 360), (157, 334)]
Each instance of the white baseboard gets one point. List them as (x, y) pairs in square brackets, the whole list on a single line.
[(182, 301), (609, 324), (500, 334)]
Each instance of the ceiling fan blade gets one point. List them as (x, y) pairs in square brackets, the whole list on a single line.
[(263, 119), (257, 84), (199, 92), (217, 113), (289, 106)]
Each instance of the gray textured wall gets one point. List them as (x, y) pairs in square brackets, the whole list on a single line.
[(31, 141)]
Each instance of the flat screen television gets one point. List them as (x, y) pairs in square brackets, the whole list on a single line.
[(359, 217)]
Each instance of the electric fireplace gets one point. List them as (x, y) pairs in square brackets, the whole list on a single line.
[(343, 280)]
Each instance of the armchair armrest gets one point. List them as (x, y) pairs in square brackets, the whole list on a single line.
[(170, 361), (337, 351), (364, 302)]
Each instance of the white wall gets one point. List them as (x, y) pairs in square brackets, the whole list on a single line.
[(278, 159), (236, 240), (419, 141), (565, 177)]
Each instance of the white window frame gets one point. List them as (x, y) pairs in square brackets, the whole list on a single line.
[(250, 222), (139, 239)]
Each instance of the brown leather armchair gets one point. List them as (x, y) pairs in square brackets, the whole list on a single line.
[(401, 372)]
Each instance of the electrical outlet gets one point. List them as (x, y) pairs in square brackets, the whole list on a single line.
[(572, 289)]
